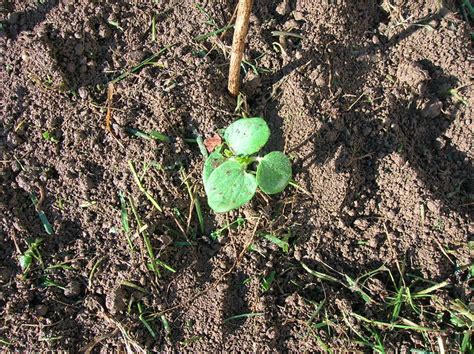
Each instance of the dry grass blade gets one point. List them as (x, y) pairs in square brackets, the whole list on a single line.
[(108, 116)]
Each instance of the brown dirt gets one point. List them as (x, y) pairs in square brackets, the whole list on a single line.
[(360, 104)]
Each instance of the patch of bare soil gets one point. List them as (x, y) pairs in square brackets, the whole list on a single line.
[(373, 102)]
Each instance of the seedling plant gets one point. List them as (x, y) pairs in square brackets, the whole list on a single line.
[(229, 175)]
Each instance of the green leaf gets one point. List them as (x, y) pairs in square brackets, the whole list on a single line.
[(25, 261), (273, 172), (267, 281), (212, 162), (246, 136), (282, 243), (229, 187)]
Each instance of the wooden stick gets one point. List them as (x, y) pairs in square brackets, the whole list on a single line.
[(238, 45)]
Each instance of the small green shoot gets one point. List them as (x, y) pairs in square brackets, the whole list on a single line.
[(152, 135), (194, 199), (115, 24), (42, 216), (142, 189), (215, 235), (454, 93), (131, 285), (227, 182), (267, 281), (30, 255), (149, 61), (5, 342), (93, 271), (166, 325), (164, 265), (46, 282), (48, 136), (124, 220), (282, 243), (143, 320), (141, 230), (244, 315)]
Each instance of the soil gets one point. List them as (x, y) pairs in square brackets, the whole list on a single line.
[(381, 148)]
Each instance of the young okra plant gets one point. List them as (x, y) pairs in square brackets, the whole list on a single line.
[(229, 175)]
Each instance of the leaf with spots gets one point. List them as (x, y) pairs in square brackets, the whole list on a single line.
[(274, 172), (213, 161), (247, 136), (229, 187)]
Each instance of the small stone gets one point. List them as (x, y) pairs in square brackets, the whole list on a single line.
[(298, 16), (82, 93), (432, 206), (440, 142), (361, 224), (283, 8), (291, 24), (432, 109), (70, 67), (72, 289), (271, 333), (5, 274), (41, 310), (14, 18), (297, 255), (79, 49), (366, 131)]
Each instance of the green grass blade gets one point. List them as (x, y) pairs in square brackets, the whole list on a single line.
[(279, 242), (149, 61), (244, 315), (205, 36), (142, 189), (42, 216), (319, 275)]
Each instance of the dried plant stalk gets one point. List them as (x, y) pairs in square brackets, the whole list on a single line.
[(238, 45)]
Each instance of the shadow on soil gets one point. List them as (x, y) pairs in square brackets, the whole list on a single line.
[(414, 133)]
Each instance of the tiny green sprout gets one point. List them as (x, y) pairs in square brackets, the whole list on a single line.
[(228, 180), (31, 254), (48, 136)]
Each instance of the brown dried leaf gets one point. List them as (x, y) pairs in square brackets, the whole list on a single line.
[(212, 142)]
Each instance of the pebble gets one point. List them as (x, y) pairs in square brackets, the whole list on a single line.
[(79, 49), (70, 67), (5, 274), (82, 93), (271, 333), (298, 16), (432, 109), (283, 8), (440, 142), (41, 310), (73, 289), (361, 224), (291, 24), (432, 206), (14, 18)]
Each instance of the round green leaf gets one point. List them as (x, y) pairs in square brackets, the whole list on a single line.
[(229, 187), (273, 172), (213, 161), (246, 136)]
